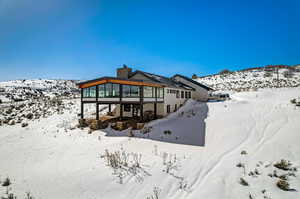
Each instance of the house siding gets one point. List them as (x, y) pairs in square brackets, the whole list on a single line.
[(200, 93)]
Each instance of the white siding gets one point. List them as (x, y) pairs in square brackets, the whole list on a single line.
[(199, 93)]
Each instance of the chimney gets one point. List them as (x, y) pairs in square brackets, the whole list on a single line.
[(124, 72)]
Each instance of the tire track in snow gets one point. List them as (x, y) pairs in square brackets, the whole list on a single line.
[(221, 158)]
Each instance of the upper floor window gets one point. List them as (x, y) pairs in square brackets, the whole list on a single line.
[(160, 92), (89, 92), (109, 90), (131, 91), (149, 91), (177, 94)]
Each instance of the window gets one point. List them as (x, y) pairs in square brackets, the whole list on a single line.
[(177, 94), (127, 107), (160, 92), (89, 92), (148, 91), (108, 90), (126, 91), (131, 91), (182, 94), (134, 91), (168, 109), (186, 94), (115, 90), (190, 94), (175, 109), (101, 90)]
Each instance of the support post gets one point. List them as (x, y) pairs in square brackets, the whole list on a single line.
[(97, 105), (155, 110), (121, 111), (120, 99), (155, 104), (141, 103), (109, 108), (81, 108)]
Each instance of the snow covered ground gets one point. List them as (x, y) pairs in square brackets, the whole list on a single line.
[(50, 160), (251, 79), (21, 90)]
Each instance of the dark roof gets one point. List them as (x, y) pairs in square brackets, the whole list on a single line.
[(163, 80), (193, 81)]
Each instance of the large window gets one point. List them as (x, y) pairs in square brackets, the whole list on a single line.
[(89, 92), (149, 91), (160, 92), (101, 90), (131, 91), (109, 90)]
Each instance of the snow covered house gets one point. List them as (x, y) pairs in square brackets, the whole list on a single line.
[(137, 93)]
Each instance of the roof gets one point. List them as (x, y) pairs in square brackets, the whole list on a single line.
[(193, 81), (163, 80), (103, 80)]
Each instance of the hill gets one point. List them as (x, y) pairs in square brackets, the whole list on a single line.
[(253, 79)]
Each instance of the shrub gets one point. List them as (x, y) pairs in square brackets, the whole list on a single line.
[(243, 182), (6, 182), (225, 71), (244, 152), (293, 101), (283, 165), (167, 132), (240, 165), (283, 184)]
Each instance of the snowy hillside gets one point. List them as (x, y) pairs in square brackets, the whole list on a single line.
[(20, 90), (244, 139), (252, 79)]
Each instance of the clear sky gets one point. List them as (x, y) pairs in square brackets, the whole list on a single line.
[(84, 39)]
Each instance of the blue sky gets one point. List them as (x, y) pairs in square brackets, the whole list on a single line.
[(85, 39)]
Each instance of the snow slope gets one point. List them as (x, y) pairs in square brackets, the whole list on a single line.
[(251, 79), (52, 161)]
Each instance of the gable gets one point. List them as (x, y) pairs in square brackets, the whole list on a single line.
[(141, 76)]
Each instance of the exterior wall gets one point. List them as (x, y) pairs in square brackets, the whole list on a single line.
[(171, 99), (199, 93)]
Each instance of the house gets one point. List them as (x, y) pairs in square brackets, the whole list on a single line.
[(137, 93)]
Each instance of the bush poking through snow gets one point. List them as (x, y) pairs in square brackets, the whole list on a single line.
[(29, 196), (125, 164), (156, 193), (24, 124), (293, 101), (6, 182), (167, 132), (284, 185), (240, 165), (283, 165), (244, 152), (243, 182)]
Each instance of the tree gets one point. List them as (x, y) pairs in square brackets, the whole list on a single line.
[(225, 71)]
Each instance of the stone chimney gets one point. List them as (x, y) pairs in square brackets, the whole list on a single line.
[(124, 72)]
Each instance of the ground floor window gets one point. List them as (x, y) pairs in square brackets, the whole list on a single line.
[(127, 107), (168, 109), (175, 109)]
